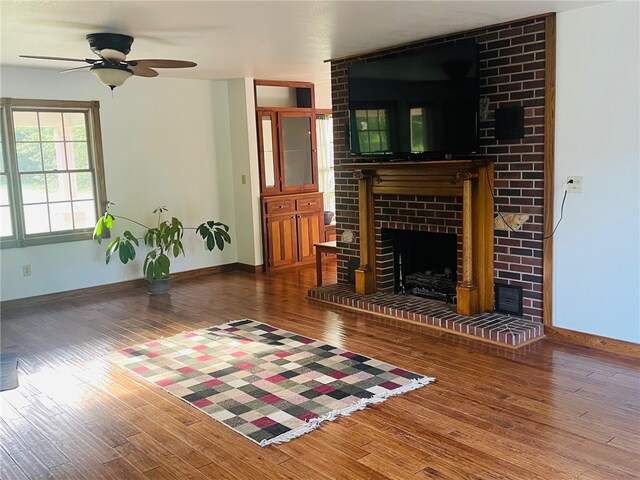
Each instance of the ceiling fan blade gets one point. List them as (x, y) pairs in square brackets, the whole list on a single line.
[(143, 71), (161, 63), (75, 69), (40, 57)]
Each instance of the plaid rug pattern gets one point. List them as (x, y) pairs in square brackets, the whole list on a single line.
[(268, 384)]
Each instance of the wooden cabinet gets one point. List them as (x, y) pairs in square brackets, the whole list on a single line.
[(286, 138), (292, 211), (309, 232), (282, 238), (292, 224)]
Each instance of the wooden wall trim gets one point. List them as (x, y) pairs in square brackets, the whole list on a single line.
[(200, 272), (283, 83), (243, 267), (620, 347), (549, 167), (119, 286)]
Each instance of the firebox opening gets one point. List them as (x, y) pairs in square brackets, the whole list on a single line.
[(425, 263)]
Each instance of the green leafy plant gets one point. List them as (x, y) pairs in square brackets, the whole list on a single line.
[(164, 241)]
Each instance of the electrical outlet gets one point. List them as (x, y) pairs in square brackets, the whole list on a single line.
[(26, 270), (574, 184)]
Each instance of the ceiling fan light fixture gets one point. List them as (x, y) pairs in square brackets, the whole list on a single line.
[(113, 68), (111, 75)]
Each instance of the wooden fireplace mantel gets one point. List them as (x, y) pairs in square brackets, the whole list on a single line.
[(470, 179)]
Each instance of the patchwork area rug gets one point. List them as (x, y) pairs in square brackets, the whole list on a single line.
[(268, 384)]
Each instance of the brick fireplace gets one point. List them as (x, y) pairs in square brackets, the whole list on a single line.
[(471, 180), (512, 73)]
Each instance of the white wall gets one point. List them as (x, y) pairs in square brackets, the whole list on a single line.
[(323, 95), (166, 142), (244, 147), (596, 284)]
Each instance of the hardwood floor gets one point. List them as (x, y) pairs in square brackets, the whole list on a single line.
[(548, 411)]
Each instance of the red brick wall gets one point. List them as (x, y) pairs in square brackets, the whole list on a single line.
[(512, 72)]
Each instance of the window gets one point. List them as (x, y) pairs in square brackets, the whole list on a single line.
[(51, 173), (421, 121), (373, 130), (418, 122), (324, 141)]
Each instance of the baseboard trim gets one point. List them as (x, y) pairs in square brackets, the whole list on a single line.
[(249, 268), (620, 347), (119, 286), (201, 272)]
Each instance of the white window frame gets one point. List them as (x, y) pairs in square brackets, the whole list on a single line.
[(91, 109)]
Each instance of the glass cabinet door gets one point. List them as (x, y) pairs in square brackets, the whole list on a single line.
[(298, 152), (268, 150)]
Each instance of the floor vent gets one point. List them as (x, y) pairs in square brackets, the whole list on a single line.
[(509, 299)]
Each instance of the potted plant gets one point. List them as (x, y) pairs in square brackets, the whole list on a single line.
[(164, 241)]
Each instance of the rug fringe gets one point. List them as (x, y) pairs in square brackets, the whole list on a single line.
[(314, 423)]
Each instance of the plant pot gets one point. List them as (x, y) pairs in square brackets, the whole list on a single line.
[(159, 286), (328, 217)]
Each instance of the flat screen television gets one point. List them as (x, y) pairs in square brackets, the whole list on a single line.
[(415, 107)]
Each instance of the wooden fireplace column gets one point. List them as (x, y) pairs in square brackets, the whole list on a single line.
[(365, 274), (467, 289), (470, 179)]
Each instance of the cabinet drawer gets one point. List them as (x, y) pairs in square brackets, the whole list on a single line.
[(309, 204), (280, 205)]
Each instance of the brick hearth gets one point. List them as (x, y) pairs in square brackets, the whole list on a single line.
[(491, 326)]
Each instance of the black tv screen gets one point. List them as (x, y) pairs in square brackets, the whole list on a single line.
[(421, 106)]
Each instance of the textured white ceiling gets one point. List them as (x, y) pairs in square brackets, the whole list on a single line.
[(286, 40)]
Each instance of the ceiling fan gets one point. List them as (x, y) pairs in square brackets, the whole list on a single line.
[(113, 68)]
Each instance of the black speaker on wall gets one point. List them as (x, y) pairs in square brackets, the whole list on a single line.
[(303, 97), (509, 123)]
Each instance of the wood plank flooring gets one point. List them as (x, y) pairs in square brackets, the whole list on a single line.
[(547, 411)]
